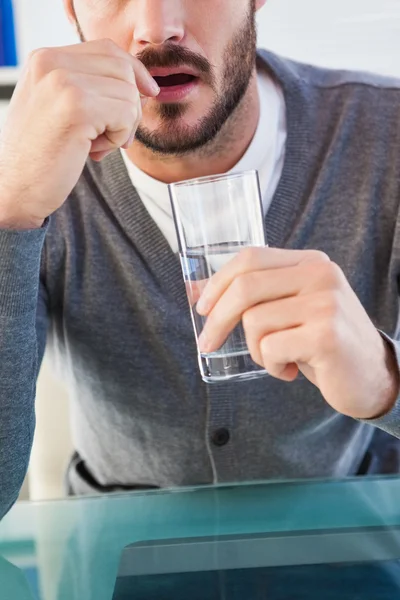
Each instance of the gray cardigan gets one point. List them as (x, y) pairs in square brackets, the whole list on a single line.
[(104, 282)]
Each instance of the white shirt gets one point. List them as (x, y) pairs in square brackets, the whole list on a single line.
[(265, 153)]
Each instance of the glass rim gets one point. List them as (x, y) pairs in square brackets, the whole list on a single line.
[(212, 178)]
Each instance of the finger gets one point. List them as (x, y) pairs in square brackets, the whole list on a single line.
[(99, 156), (114, 120), (194, 289), (293, 346), (252, 259), (143, 101), (106, 87), (288, 313), (117, 109), (101, 146), (266, 318), (258, 321), (282, 349), (114, 67), (145, 82), (245, 293), (290, 372)]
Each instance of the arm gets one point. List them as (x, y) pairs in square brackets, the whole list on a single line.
[(70, 103), (390, 421), (23, 324)]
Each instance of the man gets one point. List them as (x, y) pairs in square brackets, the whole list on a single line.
[(178, 89)]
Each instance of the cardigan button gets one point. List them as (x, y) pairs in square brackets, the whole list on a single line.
[(221, 437)]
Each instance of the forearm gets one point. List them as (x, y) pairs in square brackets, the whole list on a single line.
[(18, 366), (388, 418), (20, 354)]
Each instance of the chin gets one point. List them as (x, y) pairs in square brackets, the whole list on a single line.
[(179, 129), (169, 117)]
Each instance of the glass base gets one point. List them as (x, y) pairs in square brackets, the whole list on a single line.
[(219, 367)]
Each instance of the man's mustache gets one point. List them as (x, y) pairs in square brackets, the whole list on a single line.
[(172, 55)]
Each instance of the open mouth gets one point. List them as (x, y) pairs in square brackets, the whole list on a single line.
[(174, 80)]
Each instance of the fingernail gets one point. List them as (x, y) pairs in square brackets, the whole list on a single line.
[(204, 342)]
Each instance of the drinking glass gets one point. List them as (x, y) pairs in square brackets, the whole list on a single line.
[(215, 218)]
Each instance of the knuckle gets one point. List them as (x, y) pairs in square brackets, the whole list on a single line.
[(40, 62), (137, 116), (318, 255), (127, 71), (134, 98), (266, 349), (38, 54), (213, 321), (111, 47), (241, 288), (250, 321), (257, 358), (59, 79), (326, 337), (75, 101), (327, 304), (34, 52), (333, 275), (248, 256), (327, 274), (133, 116)]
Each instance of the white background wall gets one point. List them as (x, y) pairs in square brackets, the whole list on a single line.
[(363, 34)]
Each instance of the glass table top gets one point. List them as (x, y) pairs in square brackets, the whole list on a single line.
[(281, 541)]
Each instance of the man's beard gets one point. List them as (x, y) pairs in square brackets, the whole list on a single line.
[(175, 138)]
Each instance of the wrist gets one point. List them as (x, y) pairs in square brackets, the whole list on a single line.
[(19, 223), (390, 382), (10, 218), (11, 207)]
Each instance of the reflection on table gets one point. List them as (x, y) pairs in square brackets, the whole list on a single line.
[(308, 536)]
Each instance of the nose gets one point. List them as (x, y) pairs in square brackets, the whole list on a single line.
[(158, 21)]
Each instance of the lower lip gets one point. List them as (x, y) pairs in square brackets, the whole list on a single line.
[(177, 92)]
